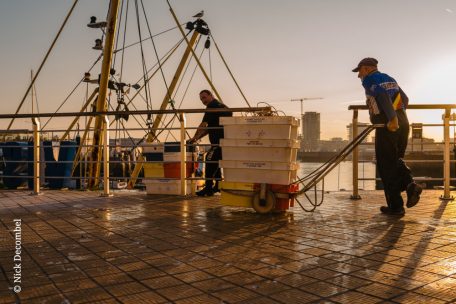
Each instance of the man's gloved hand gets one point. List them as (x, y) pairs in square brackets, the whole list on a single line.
[(393, 125)]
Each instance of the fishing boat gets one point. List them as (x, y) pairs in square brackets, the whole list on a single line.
[(146, 142), (149, 141)]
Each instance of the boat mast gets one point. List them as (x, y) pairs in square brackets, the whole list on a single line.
[(95, 165)]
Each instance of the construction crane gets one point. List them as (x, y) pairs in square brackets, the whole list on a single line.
[(303, 99)]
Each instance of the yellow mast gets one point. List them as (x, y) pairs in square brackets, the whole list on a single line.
[(94, 168)]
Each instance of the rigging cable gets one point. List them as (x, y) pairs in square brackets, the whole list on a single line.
[(90, 69), (71, 93), (155, 51), (118, 33), (158, 59), (188, 85), (124, 38), (145, 75), (194, 55), (155, 35), (130, 100), (167, 55), (185, 70), (43, 62), (229, 70), (36, 102), (210, 61)]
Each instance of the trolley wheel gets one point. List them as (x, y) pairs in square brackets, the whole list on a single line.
[(266, 205)]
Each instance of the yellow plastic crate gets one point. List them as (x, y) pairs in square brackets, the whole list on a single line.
[(237, 186), (154, 170), (237, 198)]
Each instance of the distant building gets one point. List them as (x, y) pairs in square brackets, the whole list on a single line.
[(424, 145), (333, 145), (310, 131)]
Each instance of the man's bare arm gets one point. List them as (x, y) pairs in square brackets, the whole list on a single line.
[(200, 132)]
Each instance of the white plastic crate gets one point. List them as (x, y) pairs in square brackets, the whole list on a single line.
[(259, 171), (285, 155), (167, 186), (277, 150), (260, 130), (260, 127), (262, 143), (259, 120)]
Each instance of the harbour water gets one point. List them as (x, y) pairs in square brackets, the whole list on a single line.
[(341, 177)]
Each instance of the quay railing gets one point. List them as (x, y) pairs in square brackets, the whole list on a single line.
[(36, 136), (447, 118)]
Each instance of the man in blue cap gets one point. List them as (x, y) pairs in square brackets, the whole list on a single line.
[(387, 104)]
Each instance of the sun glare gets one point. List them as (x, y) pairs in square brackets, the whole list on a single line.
[(434, 83)]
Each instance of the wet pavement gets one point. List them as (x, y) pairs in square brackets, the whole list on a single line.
[(78, 247)]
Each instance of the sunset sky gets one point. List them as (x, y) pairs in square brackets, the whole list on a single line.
[(278, 51)]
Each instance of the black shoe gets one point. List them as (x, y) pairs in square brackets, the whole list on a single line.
[(205, 192), (389, 211), (413, 194)]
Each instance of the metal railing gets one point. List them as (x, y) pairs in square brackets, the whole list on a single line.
[(446, 140), (106, 178)]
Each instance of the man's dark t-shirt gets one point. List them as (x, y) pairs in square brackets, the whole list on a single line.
[(212, 120)]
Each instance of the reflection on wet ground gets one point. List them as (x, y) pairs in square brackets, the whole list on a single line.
[(78, 247)]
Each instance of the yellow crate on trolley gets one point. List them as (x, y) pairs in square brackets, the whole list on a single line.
[(237, 194)]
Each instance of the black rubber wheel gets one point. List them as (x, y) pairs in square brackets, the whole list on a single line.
[(266, 205)]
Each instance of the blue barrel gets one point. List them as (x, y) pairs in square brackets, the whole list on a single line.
[(15, 154), (58, 172), (51, 165)]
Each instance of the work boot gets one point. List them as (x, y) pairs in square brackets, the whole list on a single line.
[(216, 188), (205, 192), (387, 210), (413, 194)]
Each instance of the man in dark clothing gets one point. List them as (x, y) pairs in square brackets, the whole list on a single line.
[(211, 125), (387, 103)]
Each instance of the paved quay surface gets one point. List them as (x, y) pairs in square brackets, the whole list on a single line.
[(78, 247)]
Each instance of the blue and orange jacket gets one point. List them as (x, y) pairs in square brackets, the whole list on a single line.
[(383, 97)]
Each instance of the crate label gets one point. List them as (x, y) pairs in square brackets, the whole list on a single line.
[(254, 164), (254, 119), (255, 143)]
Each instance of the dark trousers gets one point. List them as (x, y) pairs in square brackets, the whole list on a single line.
[(389, 150), (212, 169)]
